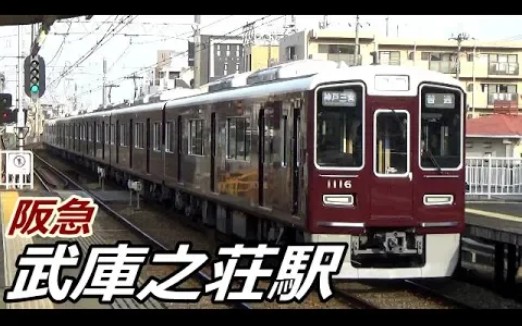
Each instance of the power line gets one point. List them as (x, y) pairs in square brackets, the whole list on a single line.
[(186, 52), (97, 46)]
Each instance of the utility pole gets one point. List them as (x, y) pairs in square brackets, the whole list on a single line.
[(104, 92), (197, 51), (357, 40), (134, 77), (387, 26), (459, 38), (110, 86), (19, 93)]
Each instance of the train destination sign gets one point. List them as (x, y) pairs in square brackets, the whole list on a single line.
[(339, 98), (440, 100)]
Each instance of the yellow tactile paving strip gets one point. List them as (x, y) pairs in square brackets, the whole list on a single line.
[(502, 216), (13, 247)]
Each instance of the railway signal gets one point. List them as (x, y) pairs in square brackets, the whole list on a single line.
[(34, 68), (7, 116)]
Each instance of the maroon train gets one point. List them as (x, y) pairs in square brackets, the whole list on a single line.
[(371, 156)]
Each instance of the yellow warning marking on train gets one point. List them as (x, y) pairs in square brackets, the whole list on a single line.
[(501, 216)]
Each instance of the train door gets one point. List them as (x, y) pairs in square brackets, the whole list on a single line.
[(261, 157), (103, 135), (179, 146), (131, 142), (212, 151), (270, 184), (296, 125), (94, 135), (87, 137), (148, 145), (117, 139), (392, 186)]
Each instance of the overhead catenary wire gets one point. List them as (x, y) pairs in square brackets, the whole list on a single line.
[(105, 38), (185, 52)]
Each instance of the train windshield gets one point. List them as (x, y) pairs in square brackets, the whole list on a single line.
[(441, 128), (339, 127)]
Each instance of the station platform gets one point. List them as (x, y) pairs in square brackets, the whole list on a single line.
[(495, 221), (500, 224), (11, 248)]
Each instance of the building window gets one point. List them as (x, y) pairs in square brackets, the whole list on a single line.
[(238, 139), (390, 58), (291, 53), (225, 69), (238, 49), (237, 67), (228, 50), (218, 51), (169, 137), (503, 64), (501, 92), (195, 145), (339, 52), (411, 55), (156, 136), (139, 139), (444, 62), (470, 87)]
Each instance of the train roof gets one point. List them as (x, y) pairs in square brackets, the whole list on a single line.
[(378, 80)]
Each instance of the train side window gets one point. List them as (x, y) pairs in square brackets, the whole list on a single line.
[(123, 135), (156, 136), (106, 134), (89, 132), (113, 134), (139, 140), (196, 137), (169, 139), (98, 133), (238, 139)]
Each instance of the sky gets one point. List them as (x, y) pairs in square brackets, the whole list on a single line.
[(133, 47)]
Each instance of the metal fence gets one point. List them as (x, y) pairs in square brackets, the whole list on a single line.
[(494, 176)]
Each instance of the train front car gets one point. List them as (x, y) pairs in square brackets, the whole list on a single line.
[(387, 171)]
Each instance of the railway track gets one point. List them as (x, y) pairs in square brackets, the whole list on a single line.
[(392, 294), (202, 277), (416, 286)]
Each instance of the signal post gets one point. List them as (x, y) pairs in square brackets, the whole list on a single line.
[(34, 71)]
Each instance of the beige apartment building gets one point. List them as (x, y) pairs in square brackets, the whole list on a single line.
[(259, 56), (489, 71)]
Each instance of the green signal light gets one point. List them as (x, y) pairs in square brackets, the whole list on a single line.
[(34, 89)]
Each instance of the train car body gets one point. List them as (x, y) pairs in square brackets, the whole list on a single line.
[(369, 156)]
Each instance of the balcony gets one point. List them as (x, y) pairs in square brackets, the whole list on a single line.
[(502, 97), (445, 67), (349, 59), (503, 68)]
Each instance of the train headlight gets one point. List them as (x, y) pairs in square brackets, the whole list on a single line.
[(338, 200), (438, 200)]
